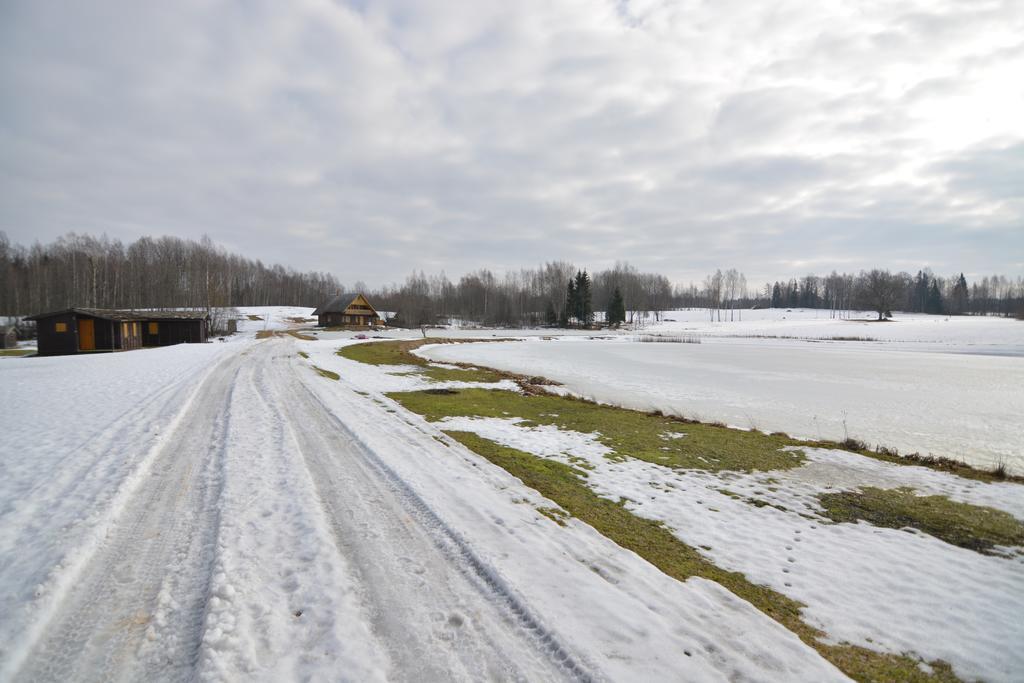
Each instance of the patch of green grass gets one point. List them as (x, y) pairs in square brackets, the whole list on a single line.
[(326, 373), (556, 515), (383, 353), (658, 545), (303, 354), (627, 432), (16, 352), (459, 374), (398, 353), (969, 526)]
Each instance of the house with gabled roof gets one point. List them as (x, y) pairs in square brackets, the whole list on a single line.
[(350, 309)]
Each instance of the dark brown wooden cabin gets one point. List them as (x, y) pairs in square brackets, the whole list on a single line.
[(347, 310), (89, 330)]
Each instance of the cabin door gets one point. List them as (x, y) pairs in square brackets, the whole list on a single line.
[(86, 335)]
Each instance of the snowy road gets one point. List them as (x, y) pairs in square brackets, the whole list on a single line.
[(155, 601), (402, 551)]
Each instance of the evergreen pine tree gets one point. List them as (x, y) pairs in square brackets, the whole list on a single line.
[(569, 312), (616, 313), (934, 303), (958, 304), (584, 308), (588, 304), (920, 297)]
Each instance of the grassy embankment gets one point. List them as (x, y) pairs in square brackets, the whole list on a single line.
[(17, 352), (648, 437), (566, 486)]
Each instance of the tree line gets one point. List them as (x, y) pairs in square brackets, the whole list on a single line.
[(881, 291), (170, 272), (163, 272), (559, 293)]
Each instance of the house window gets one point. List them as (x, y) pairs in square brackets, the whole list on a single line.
[(135, 329), (154, 328), (60, 327)]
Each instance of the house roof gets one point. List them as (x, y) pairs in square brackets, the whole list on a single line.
[(341, 302), (126, 315)]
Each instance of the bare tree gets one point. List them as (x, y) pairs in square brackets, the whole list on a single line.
[(879, 290)]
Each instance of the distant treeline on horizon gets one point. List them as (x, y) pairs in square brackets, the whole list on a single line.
[(171, 272)]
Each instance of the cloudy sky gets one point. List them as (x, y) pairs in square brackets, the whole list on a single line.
[(371, 138)]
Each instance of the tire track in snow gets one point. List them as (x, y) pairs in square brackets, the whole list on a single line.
[(381, 524), (137, 605), (283, 604)]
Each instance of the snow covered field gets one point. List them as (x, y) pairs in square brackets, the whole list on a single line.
[(946, 388), (221, 511), (905, 331)]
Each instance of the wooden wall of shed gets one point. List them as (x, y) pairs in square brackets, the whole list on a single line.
[(129, 335), (53, 343), (170, 332)]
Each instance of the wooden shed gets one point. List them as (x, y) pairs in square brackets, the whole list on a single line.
[(347, 310), (89, 330)]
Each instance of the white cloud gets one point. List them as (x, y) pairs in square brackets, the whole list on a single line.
[(682, 136)]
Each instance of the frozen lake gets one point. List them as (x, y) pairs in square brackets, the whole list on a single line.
[(955, 404)]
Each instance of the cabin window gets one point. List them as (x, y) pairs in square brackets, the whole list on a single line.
[(60, 327), (135, 329), (154, 328)]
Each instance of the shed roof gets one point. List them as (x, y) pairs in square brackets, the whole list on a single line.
[(339, 303), (126, 315)]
